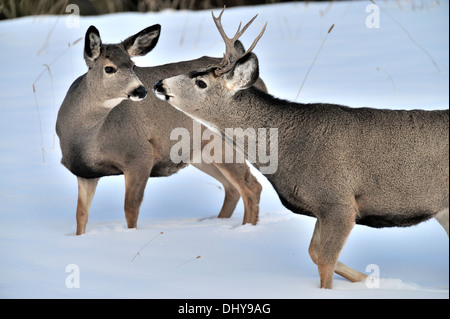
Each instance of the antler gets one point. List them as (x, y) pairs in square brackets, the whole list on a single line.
[(231, 56)]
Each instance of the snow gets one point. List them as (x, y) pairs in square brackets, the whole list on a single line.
[(379, 67)]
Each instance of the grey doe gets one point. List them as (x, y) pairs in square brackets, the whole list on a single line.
[(380, 168), (108, 126)]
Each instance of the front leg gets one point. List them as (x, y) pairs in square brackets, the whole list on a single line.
[(86, 191)]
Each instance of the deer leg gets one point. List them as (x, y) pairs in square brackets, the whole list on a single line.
[(330, 233), (248, 186), (135, 182), (232, 195), (313, 246), (341, 269), (349, 273), (86, 191)]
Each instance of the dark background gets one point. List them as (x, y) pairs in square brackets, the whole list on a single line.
[(10, 9)]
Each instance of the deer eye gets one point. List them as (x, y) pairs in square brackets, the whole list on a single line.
[(201, 84), (110, 70)]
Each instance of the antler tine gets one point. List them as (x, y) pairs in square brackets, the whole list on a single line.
[(239, 32), (218, 22), (255, 41), (220, 15), (228, 42)]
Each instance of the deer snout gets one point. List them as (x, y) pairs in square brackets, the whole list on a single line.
[(160, 91), (158, 87), (139, 93)]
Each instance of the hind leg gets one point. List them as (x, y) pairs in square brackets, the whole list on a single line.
[(442, 218), (86, 191), (341, 269), (242, 179), (232, 195), (330, 234), (237, 175)]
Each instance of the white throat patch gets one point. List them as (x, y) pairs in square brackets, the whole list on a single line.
[(113, 102)]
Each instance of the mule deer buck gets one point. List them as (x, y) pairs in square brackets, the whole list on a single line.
[(108, 126), (344, 166)]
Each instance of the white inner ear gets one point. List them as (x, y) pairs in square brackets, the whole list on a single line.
[(95, 43), (146, 39), (141, 41), (134, 48), (241, 76)]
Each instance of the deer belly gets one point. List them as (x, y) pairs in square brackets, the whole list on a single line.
[(404, 219), (89, 168)]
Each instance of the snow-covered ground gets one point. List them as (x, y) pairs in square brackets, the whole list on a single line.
[(179, 249)]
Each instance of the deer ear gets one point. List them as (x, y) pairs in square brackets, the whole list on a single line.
[(143, 42), (244, 74), (92, 45), (239, 47)]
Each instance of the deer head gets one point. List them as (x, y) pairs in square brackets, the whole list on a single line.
[(201, 92), (111, 74)]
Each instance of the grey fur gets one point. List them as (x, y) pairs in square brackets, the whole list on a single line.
[(342, 165)]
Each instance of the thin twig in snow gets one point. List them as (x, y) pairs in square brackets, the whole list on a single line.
[(138, 253)]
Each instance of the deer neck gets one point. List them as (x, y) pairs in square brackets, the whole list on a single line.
[(252, 123), (83, 105)]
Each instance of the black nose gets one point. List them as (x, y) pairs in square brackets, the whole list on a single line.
[(140, 92), (158, 87)]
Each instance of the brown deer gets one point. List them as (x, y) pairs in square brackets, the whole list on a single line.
[(108, 126), (344, 166)]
